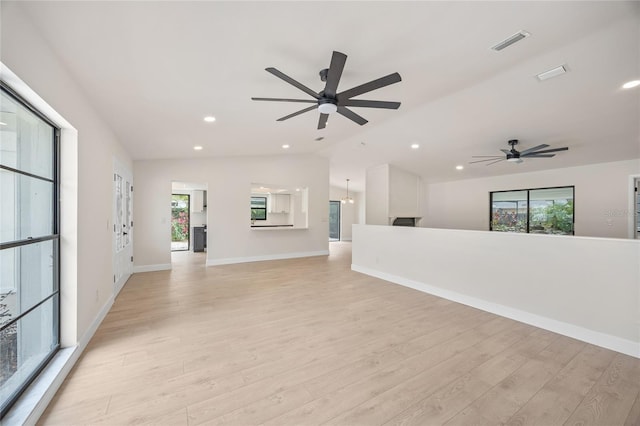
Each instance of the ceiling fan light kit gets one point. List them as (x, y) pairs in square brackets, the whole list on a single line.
[(514, 156), (329, 101)]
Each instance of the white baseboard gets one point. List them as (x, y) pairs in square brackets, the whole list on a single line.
[(232, 260), (152, 268), (86, 337), (597, 338)]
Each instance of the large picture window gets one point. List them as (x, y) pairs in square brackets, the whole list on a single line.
[(537, 211), (29, 245)]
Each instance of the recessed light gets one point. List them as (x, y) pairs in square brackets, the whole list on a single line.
[(209, 119), (197, 148), (285, 146), (631, 84), (2, 123), (459, 167), (415, 146)]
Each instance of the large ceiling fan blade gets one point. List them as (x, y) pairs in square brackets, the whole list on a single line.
[(335, 72), (291, 81), (352, 115), (302, 111), (547, 151), (539, 156), (372, 85), (370, 104), (306, 101), (497, 161), (506, 151), (486, 156), (535, 148), (322, 121), (487, 159)]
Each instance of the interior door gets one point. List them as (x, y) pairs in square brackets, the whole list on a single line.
[(122, 225)]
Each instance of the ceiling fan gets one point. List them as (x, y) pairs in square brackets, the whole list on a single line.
[(328, 100), (515, 156)]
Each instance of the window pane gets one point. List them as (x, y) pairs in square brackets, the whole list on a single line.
[(27, 207), (259, 202), (551, 211), (26, 277), (25, 345), (509, 211), (26, 141)]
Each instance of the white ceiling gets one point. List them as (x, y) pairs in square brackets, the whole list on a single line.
[(153, 70)]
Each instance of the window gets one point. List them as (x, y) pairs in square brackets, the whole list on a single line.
[(537, 211), (258, 208), (29, 245)]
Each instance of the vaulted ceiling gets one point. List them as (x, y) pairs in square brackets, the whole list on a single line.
[(153, 70)]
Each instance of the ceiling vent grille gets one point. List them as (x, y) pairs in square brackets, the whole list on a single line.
[(552, 73), (511, 40)]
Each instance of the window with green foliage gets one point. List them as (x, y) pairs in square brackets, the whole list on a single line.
[(258, 208), (536, 211)]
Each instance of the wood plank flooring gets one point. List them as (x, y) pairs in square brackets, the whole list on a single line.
[(308, 341)]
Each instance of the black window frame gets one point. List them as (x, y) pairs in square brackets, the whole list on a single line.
[(528, 215), (5, 406), (264, 209)]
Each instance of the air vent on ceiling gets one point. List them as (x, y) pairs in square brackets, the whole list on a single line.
[(551, 73), (511, 40)]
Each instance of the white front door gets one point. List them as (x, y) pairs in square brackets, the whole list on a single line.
[(122, 225)]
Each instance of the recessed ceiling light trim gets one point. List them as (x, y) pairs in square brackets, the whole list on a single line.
[(286, 146), (520, 35), (631, 84), (552, 73), (415, 146), (209, 119), (197, 148)]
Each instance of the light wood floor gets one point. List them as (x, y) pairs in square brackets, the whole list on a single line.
[(308, 341)]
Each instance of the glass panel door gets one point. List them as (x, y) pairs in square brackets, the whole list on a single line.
[(179, 222), (509, 211), (334, 220)]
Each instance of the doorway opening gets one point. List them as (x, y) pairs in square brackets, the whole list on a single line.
[(188, 224), (180, 222), (334, 220)]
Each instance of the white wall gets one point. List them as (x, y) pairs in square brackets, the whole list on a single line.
[(349, 213), (377, 195), (601, 197), (230, 236), (586, 288), (87, 173), (404, 193)]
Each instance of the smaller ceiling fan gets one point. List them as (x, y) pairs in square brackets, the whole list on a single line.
[(515, 156)]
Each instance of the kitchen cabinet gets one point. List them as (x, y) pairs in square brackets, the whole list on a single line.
[(199, 238), (198, 202), (279, 203)]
